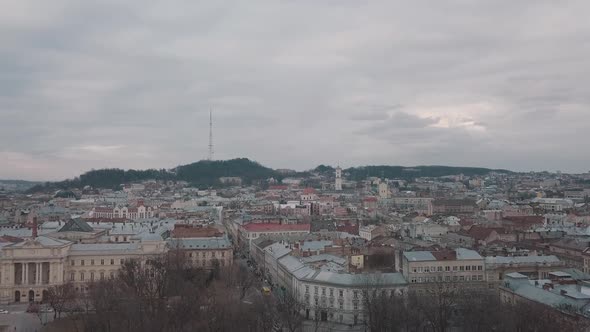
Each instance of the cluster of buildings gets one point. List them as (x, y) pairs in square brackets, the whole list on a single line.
[(524, 235)]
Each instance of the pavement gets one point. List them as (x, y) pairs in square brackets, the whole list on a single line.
[(18, 320)]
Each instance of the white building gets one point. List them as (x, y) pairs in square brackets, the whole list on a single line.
[(338, 181)]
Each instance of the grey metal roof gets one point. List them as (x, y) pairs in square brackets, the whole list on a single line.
[(522, 259), (419, 256), (100, 247), (467, 254)]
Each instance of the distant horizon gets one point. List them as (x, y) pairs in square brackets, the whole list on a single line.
[(297, 170)]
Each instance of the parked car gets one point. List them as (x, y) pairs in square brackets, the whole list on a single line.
[(33, 307), (3, 311)]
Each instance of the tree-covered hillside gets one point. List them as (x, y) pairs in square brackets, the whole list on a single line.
[(400, 172), (206, 173), (203, 173)]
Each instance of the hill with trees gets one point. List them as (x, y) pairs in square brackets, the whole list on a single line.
[(206, 173)]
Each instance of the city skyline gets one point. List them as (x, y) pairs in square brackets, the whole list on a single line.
[(292, 85)]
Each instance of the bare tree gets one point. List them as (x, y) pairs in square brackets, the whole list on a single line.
[(59, 297), (289, 312)]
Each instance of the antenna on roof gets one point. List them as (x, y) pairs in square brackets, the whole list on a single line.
[(210, 156)]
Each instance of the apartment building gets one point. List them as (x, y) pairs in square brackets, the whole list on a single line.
[(459, 265)]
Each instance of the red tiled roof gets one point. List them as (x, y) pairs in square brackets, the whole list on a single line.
[(192, 232), (480, 233), (526, 219), (370, 199), (276, 227), (309, 191), (278, 188)]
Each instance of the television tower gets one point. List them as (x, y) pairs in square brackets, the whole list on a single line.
[(210, 157)]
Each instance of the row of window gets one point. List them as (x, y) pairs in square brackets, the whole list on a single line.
[(102, 262), (331, 290), (478, 277), (204, 262), (461, 268), (82, 276), (204, 254)]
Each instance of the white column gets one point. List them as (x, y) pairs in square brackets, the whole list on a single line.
[(38, 273), (25, 273)]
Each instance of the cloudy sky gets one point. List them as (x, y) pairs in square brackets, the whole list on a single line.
[(293, 84)]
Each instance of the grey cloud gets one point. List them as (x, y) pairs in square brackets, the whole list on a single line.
[(134, 81)]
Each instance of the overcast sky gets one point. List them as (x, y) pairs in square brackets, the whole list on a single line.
[(293, 84)]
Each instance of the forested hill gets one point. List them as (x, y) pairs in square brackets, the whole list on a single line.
[(203, 173), (402, 172), (206, 173)]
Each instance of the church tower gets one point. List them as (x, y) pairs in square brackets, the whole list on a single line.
[(338, 183)]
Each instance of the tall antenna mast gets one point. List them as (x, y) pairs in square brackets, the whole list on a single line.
[(210, 157)]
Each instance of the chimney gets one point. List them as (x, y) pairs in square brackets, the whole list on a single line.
[(34, 227)]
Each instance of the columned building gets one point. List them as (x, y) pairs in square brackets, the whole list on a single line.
[(29, 268)]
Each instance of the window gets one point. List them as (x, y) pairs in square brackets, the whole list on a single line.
[(419, 269), (102, 276), (324, 291), (447, 268), (355, 294), (461, 278), (461, 268), (331, 291), (448, 278), (440, 278), (468, 268), (223, 254), (190, 254), (474, 267), (340, 305), (315, 289), (91, 276), (92, 262), (480, 277), (203, 254), (102, 262), (82, 276), (82, 262), (413, 280), (341, 292), (72, 262), (454, 269), (72, 276), (454, 278), (479, 267), (112, 275), (419, 279), (356, 306), (121, 261), (439, 269), (112, 261), (306, 289), (415, 270)]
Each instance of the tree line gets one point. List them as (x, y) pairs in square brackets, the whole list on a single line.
[(168, 293)]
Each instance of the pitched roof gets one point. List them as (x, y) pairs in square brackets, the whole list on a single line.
[(480, 233), (76, 225)]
